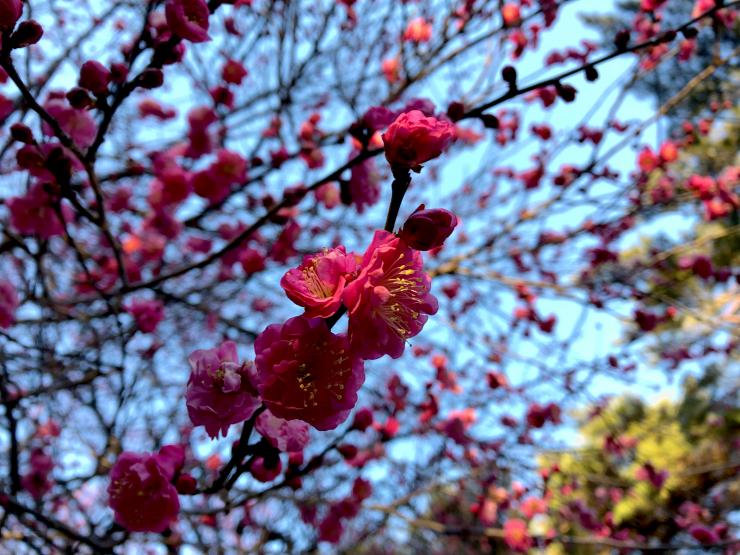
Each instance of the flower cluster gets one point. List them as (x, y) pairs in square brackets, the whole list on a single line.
[(389, 301), (303, 374)]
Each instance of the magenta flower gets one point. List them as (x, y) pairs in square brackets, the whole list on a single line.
[(220, 390), (377, 118), (147, 313), (206, 185), (34, 213), (284, 435), (428, 229), (229, 167), (215, 182), (364, 184), (703, 534), (141, 494), (36, 481), (318, 283), (8, 304), (78, 124), (233, 72), (171, 458), (413, 139), (305, 372), (264, 470), (188, 19), (389, 300), (171, 186), (10, 13), (94, 77)]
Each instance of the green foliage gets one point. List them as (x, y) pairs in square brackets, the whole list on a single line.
[(690, 439)]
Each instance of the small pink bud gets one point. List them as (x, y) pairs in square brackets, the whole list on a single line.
[(28, 33), (22, 133), (363, 419), (186, 484), (151, 78), (94, 77), (427, 229)]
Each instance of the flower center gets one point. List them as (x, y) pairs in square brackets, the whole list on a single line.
[(404, 289), (307, 385), (315, 284)]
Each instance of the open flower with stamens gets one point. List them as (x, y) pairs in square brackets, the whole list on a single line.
[(306, 372), (318, 283), (220, 390), (141, 494), (389, 300), (188, 19)]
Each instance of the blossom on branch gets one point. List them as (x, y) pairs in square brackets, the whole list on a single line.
[(35, 214), (10, 13), (284, 435), (318, 283), (141, 493), (188, 19), (306, 372), (147, 313), (428, 229), (220, 390), (413, 139), (389, 300), (364, 185)]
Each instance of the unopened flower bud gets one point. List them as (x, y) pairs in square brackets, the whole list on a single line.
[(427, 229), (591, 73), (94, 77), (78, 98), (22, 133), (186, 484), (622, 39), (151, 78), (456, 111), (118, 72), (566, 92), (508, 73), (28, 33), (490, 121)]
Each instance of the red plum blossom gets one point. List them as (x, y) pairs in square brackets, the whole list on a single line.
[(413, 139), (220, 391), (141, 493), (318, 283), (188, 19), (306, 372), (389, 300)]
